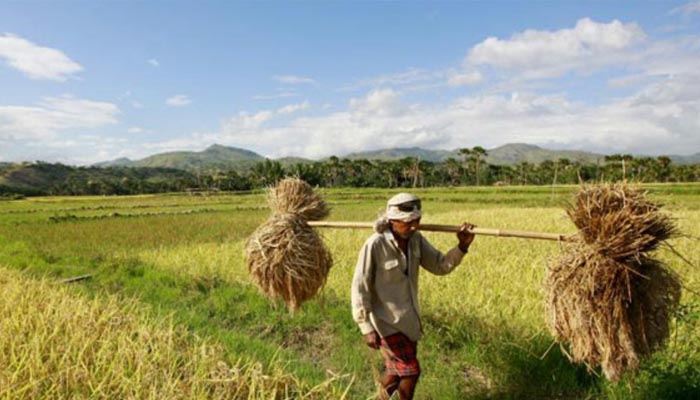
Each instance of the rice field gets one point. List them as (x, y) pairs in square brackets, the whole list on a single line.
[(171, 312)]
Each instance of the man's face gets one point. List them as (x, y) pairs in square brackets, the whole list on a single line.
[(405, 229)]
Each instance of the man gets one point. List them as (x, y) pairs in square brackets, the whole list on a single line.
[(385, 289)]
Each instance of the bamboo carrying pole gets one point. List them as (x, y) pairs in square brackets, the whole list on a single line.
[(451, 228)]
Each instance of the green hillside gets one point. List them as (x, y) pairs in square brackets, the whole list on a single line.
[(509, 154), (232, 158), (287, 161), (215, 156), (691, 159), (119, 162), (516, 153), (403, 152), (47, 179)]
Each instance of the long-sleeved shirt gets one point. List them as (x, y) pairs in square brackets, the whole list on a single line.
[(385, 285)]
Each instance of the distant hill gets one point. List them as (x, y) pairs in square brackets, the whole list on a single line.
[(403, 152), (224, 157), (44, 178), (508, 154), (516, 153), (692, 159), (119, 162), (286, 161), (215, 156), (33, 178)]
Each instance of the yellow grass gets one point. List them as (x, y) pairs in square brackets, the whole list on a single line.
[(55, 344)]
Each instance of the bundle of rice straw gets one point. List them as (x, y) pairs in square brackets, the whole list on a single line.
[(286, 258), (606, 296)]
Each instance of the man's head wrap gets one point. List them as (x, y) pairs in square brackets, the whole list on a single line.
[(394, 212)]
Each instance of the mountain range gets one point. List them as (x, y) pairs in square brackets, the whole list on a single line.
[(225, 157)]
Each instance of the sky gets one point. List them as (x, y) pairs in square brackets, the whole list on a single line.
[(89, 81)]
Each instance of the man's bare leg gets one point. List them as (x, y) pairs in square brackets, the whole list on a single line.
[(389, 385), (407, 387)]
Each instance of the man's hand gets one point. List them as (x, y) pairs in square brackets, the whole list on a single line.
[(465, 236), (372, 340)]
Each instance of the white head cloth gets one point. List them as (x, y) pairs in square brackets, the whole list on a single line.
[(393, 212)]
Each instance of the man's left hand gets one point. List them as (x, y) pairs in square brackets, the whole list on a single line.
[(465, 236)]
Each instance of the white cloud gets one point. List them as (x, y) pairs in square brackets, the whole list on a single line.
[(465, 79), (292, 108), (53, 115), (36, 62), (545, 54), (154, 62), (412, 79), (136, 104), (178, 100), (687, 9), (246, 121), (135, 129), (383, 102), (293, 80), (660, 118)]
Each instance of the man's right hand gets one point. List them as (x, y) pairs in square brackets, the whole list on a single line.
[(372, 340)]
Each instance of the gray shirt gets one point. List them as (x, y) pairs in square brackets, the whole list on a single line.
[(385, 285)]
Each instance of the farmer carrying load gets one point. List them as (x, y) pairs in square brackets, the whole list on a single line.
[(385, 289)]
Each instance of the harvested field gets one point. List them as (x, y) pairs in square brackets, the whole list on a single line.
[(486, 334)]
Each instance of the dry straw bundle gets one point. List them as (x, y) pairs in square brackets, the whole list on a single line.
[(606, 296), (286, 258)]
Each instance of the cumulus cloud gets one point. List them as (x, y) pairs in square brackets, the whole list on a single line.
[(293, 79), (178, 100), (36, 62), (662, 117), (252, 122), (246, 121), (53, 115), (154, 62), (545, 54), (382, 102)]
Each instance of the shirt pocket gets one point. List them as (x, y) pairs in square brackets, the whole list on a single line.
[(392, 271)]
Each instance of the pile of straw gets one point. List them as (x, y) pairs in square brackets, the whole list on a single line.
[(606, 296), (286, 258)]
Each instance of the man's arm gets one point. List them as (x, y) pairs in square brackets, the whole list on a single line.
[(362, 289), (434, 261)]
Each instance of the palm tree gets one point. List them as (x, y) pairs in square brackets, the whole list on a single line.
[(664, 163), (467, 156), (478, 153), (472, 160), (560, 163), (453, 170)]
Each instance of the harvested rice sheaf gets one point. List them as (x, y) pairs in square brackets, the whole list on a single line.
[(294, 196), (606, 296), (287, 259)]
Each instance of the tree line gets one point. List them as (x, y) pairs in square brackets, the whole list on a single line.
[(470, 168)]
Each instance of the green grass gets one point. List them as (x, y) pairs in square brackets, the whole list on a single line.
[(485, 335)]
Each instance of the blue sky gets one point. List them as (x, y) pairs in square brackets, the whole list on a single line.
[(86, 81)]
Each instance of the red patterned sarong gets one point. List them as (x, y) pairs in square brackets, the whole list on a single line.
[(400, 355)]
